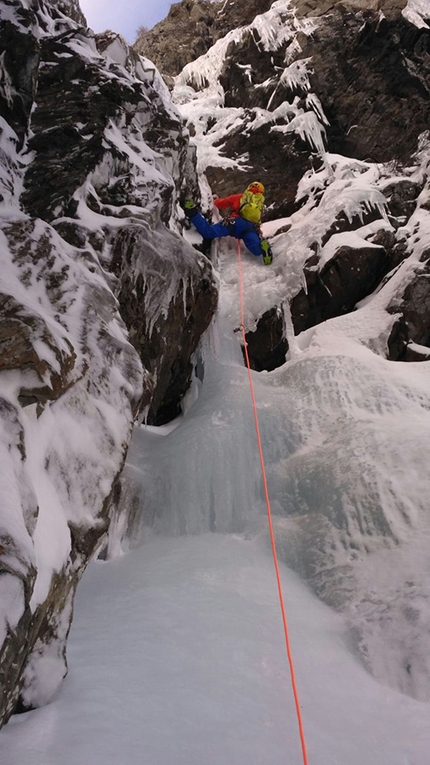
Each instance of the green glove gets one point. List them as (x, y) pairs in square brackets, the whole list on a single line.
[(266, 251), (190, 209)]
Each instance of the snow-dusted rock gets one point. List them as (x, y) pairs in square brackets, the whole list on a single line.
[(410, 336), (270, 98), (92, 160), (71, 8), (331, 287), (173, 301), (288, 84), (196, 25)]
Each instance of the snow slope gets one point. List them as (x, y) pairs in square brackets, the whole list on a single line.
[(177, 656)]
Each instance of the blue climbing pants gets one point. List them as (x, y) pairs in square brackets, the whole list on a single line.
[(240, 229)]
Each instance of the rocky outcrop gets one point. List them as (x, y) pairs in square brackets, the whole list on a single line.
[(20, 60), (410, 337), (267, 344), (79, 139), (336, 287), (102, 306), (388, 8), (363, 68), (274, 152), (301, 84), (283, 85), (332, 290), (174, 299), (196, 25), (72, 9), (366, 67)]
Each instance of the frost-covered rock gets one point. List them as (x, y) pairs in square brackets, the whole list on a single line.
[(267, 101), (71, 8), (285, 85), (174, 300), (196, 25), (92, 159)]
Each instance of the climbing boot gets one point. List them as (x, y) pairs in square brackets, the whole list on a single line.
[(190, 209), (267, 253)]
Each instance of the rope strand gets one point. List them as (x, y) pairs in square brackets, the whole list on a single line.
[(269, 516)]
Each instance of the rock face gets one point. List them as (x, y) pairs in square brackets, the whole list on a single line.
[(170, 309), (337, 80), (363, 68), (295, 86), (197, 25), (349, 275), (410, 336), (375, 66), (102, 306)]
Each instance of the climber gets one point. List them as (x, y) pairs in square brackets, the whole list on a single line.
[(242, 221)]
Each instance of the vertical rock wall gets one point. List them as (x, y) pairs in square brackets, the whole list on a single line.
[(96, 284)]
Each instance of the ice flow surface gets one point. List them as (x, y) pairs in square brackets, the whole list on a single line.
[(346, 435)]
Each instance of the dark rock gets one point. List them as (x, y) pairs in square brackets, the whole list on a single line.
[(396, 249), (20, 59), (72, 232), (267, 346), (65, 154), (195, 25), (277, 160), (349, 276), (365, 72), (402, 196), (390, 8), (412, 324), (416, 353), (72, 9), (76, 100), (164, 331), (342, 223)]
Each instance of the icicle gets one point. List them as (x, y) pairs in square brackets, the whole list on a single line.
[(294, 350)]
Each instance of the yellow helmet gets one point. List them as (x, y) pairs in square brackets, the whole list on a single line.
[(257, 187)]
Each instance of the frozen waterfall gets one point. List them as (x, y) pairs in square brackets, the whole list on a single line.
[(177, 654)]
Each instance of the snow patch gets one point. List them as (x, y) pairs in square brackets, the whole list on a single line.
[(418, 13)]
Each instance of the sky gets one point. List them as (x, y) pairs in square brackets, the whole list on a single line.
[(124, 17)]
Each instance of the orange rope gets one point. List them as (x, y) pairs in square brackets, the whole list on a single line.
[(269, 515)]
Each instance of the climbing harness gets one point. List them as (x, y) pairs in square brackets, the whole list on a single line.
[(230, 219), (269, 514)]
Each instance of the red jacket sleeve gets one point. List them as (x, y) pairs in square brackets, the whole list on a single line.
[(232, 201)]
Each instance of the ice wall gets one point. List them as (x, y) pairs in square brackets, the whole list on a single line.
[(346, 437)]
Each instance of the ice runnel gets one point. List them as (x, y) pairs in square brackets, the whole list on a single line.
[(204, 475)]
